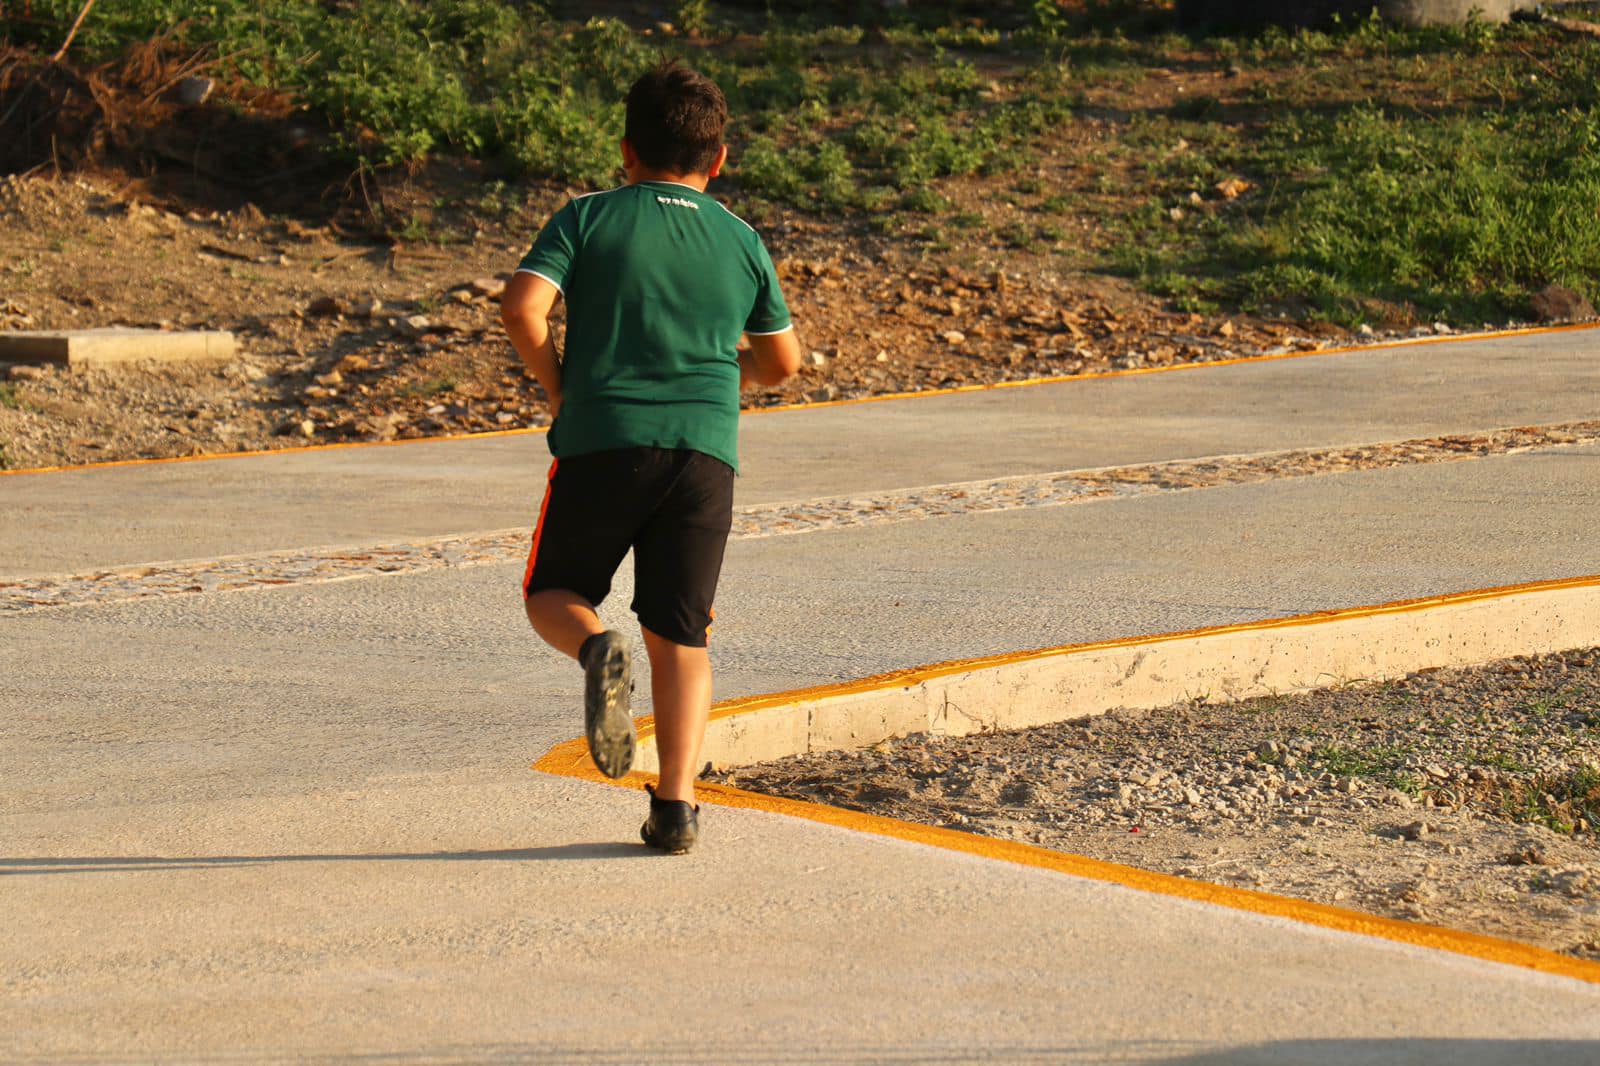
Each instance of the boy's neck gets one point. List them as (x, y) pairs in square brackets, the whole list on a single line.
[(694, 181)]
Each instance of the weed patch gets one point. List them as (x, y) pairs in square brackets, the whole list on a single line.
[(1566, 802), (1383, 763), (432, 387)]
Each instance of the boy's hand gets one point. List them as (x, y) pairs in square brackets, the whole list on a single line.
[(525, 311), (770, 359)]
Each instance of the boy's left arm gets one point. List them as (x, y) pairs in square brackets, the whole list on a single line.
[(525, 311)]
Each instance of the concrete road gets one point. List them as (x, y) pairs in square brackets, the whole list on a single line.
[(299, 822)]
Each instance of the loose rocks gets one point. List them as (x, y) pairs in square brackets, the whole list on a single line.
[(1313, 795)]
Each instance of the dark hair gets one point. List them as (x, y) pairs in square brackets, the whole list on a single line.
[(675, 119)]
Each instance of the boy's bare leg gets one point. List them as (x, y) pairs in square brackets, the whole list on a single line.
[(564, 619), (680, 688), (567, 623)]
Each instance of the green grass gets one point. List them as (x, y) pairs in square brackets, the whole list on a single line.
[(1447, 184), (8, 396), (1382, 763), (1497, 760), (432, 387), (1544, 705)]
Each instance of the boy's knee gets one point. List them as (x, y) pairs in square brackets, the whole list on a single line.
[(666, 641)]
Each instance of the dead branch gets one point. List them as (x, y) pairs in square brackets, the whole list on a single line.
[(76, 24)]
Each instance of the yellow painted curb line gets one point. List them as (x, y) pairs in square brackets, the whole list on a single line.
[(571, 759), (923, 394)]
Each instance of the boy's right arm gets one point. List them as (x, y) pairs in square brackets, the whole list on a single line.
[(771, 359), (525, 311)]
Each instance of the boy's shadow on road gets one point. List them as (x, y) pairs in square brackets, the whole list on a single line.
[(123, 863)]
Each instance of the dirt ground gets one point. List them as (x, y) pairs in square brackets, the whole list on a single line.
[(1464, 798), (344, 339)]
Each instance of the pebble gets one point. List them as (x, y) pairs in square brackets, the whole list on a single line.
[(303, 427), (193, 91)]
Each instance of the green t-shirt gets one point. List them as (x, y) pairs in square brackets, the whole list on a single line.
[(660, 280)]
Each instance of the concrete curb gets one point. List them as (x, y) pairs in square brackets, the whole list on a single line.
[(1227, 662), (1030, 688)]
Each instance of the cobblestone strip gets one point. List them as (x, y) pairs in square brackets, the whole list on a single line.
[(320, 565), (1074, 486)]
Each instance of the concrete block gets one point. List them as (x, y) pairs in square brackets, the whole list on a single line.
[(862, 719), (113, 347)]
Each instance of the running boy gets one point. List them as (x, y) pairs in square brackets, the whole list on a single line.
[(661, 281)]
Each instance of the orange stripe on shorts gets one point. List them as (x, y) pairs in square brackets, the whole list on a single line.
[(538, 530)]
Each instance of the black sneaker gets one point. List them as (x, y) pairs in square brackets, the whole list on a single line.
[(608, 685), (673, 825)]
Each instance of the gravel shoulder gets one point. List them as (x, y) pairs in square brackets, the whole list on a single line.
[(1465, 798)]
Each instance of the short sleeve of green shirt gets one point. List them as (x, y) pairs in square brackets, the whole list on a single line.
[(555, 249), (770, 314)]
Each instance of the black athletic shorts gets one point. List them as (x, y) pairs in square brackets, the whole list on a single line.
[(672, 506)]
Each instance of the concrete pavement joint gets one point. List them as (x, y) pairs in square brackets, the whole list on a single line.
[(322, 565)]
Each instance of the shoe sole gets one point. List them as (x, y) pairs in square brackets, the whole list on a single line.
[(608, 686), (677, 847)]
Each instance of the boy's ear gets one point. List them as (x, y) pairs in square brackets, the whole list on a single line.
[(722, 158), (630, 158)]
